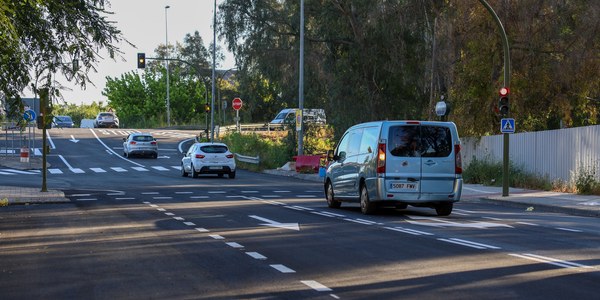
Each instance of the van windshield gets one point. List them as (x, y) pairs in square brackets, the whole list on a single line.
[(280, 116), (420, 141)]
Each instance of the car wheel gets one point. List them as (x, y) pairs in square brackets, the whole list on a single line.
[(155, 156), (232, 175), (125, 154), (444, 209), (220, 175), (183, 172), (194, 173), (331, 202), (366, 206)]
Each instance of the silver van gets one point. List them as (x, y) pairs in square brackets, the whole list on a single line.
[(396, 163)]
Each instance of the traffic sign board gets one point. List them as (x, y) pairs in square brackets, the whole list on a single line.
[(507, 125), (237, 103), (29, 115)]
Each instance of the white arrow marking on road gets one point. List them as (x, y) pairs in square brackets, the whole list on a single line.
[(271, 223), (73, 139)]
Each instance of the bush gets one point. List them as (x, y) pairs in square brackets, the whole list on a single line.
[(490, 173), (585, 181), (272, 153)]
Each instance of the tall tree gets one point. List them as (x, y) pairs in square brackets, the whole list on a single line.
[(40, 38)]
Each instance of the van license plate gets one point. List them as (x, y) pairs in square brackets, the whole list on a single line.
[(404, 186)]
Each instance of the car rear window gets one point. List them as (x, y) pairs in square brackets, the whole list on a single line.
[(143, 138), (214, 149), (106, 115), (420, 141)]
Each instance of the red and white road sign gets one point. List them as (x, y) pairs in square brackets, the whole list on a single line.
[(237, 103)]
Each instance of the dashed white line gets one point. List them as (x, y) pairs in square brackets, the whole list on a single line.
[(409, 231), (569, 229), (527, 223), (282, 269), (150, 193), (98, 170), (359, 221), (200, 229), (169, 214), (81, 195), (55, 171), (141, 169), (316, 286), (550, 260), (249, 192), (178, 218), (159, 168), (161, 209), (216, 237), (118, 169), (306, 196), (281, 191), (86, 199), (124, 198), (468, 243), (183, 193), (198, 197), (189, 223), (234, 245), (216, 192), (256, 255), (162, 198), (153, 205)]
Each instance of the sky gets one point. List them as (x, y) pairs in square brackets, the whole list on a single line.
[(142, 23)]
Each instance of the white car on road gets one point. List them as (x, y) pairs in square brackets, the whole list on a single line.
[(208, 158)]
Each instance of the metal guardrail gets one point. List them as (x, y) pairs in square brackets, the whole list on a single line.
[(248, 159), (255, 127)]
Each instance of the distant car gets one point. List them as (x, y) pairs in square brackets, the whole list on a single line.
[(106, 119), (142, 144), (208, 158), (62, 122)]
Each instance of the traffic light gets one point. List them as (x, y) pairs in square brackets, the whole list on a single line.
[(503, 102), (141, 60), (206, 108)]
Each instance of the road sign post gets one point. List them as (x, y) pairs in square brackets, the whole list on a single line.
[(237, 104)]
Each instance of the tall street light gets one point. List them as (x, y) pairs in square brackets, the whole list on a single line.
[(301, 83), (167, 61), (214, 50)]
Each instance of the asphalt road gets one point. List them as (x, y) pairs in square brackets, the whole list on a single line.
[(137, 229)]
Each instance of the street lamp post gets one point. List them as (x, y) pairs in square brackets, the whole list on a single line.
[(167, 54), (301, 83), (214, 62)]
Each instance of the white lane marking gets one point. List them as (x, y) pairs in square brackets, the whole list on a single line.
[(465, 211), (409, 231), (271, 223), (74, 170), (282, 268), (159, 168), (17, 171), (527, 223), (52, 146), (141, 169), (87, 199), (234, 245), (111, 150), (176, 167), (146, 202), (274, 202), (77, 171), (150, 193), (169, 214), (550, 260), (162, 198), (494, 219), (569, 229), (256, 255), (182, 193), (216, 192), (189, 223), (6, 173), (125, 198), (281, 191), (248, 192), (118, 169), (469, 243), (270, 196), (460, 214), (198, 197), (306, 196), (153, 205), (55, 171), (200, 229), (161, 209), (179, 218), (332, 214), (476, 190), (181, 144), (81, 195), (98, 170), (360, 222), (216, 237), (298, 208), (316, 286), (116, 194)]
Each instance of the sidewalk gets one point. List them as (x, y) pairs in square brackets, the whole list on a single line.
[(573, 204)]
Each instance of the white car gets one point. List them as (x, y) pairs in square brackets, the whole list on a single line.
[(140, 144), (106, 119), (208, 158)]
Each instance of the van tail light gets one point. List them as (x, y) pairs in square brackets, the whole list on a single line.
[(132, 143), (381, 158), (199, 156), (229, 155), (457, 160)]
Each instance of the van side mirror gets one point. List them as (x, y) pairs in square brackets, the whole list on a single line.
[(330, 155), (124, 139)]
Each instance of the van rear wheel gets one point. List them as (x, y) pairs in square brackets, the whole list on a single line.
[(366, 206), (444, 209), (331, 202)]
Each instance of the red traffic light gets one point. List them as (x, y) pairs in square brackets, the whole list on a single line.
[(504, 91)]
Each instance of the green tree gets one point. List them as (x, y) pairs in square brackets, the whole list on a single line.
[(39, 38)]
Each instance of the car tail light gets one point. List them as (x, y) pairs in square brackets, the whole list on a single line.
[(199, 156), (229, 155), (152, 143), (457, 160), (132, 143), (381, 158)]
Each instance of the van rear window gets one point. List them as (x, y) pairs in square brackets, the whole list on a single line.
[(420, 141)]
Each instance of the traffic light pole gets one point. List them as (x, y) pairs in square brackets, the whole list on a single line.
[(506, 141), (44, 111)]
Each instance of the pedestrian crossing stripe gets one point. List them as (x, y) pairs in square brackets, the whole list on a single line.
[(58, 171)]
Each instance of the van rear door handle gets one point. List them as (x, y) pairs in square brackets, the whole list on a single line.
[(430, 162), (411, 179)]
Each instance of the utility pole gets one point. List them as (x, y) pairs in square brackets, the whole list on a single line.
[(506, 140), (44, 104)]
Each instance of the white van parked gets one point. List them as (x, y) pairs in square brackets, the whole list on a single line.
[(396, 163), (309, 115)]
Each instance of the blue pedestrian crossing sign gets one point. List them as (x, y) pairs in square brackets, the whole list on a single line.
[(507, 125)]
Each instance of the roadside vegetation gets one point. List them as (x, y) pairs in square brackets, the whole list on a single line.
[(487, 172)]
